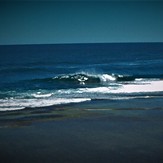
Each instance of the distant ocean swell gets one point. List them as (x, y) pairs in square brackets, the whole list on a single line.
[(82, 87)]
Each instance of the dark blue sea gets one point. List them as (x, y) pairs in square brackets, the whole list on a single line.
[(112, 75)]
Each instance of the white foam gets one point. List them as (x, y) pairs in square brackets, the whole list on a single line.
[(139, 79), (11, 108), (94, 90), (106, 77), (152, 86), (38, 95), (17, 104)]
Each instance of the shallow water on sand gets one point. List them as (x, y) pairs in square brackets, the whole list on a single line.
[(96, 136)]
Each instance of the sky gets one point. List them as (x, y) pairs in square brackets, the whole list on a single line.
[(53, 22)]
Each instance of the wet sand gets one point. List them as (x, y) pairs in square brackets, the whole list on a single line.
[(75, 135)]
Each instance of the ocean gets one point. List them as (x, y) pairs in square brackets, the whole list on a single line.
[(81, 103), (105, 75)]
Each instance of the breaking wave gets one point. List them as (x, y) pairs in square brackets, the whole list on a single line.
[(88, 78)]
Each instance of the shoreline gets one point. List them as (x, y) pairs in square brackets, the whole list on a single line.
[(64, 112), (28, 116)]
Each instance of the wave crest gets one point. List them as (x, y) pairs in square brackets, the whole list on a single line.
[(86, 78)]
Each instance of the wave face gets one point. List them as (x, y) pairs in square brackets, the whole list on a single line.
[(66, 74), (86, 78)]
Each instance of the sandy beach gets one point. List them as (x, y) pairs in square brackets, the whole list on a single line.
[(67, 134)]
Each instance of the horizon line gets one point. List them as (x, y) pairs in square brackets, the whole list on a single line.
[(26, 44)]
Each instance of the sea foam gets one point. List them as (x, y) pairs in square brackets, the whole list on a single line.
[(17, 104), (152, 86)]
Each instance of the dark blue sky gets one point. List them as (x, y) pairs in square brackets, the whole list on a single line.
[(80, 22)]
